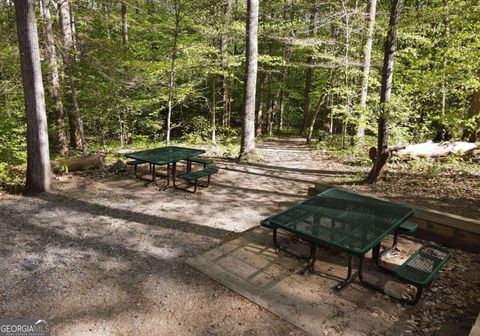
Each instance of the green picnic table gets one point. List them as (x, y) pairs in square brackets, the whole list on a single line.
[(168, 156), (355, 224)]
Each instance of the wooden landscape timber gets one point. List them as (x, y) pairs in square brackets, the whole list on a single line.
[(444, 228), (82, 163)]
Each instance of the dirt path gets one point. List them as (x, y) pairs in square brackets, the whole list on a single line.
[(104, 255)]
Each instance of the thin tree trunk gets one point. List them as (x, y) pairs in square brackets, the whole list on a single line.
[(443, 103), (77, 135), (214, 110), (372, 9), (124, 24), (38, 159), (251, 51), (224, 62), (320, 104), (261, 89), (308, 75), (281, 103), (270, 106), (306, 94), (385, 93), (55, 88), (346, 63), (171, 85)]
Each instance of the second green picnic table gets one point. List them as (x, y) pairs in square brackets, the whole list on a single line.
[(168, 155), (345, 221)]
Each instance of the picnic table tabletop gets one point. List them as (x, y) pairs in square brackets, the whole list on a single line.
[(165, 155), (347, 221)]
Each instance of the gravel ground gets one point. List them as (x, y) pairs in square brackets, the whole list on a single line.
[(104, 255)]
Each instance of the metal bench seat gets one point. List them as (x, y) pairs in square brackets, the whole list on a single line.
[(194, 176), (420, 269)]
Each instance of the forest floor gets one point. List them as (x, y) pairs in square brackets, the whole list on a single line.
[(104, 255)]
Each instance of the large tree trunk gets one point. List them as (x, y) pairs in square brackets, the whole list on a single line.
[(386, 90), (55, 88), (77, 135), (173, 59), (372, 9), (224, 62), (38, 159), (251, 51)]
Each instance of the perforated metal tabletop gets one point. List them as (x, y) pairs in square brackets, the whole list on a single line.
[(165, 155), (346, 221)]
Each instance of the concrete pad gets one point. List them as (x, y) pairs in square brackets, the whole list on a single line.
[(250, 266), (476, 328)]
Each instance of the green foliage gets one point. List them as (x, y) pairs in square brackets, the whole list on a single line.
[(438, 53)]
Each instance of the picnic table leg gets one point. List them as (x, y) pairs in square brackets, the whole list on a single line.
[(174, 172), (377, 258), (394, 245), (349, 278), (278, 249), (154, 176), (365, 282), (310, 268)]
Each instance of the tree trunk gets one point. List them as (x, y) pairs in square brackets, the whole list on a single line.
[(77, 136), (214, 110), (442, 131), (261, 89), (308, 76), (55, 88), (171, 85), (386, 90), (251, 51), (321, 103), (124, 24), (281, 98), (472, 133), (38, 159), (372, 9), (224, 63), (306, 94)]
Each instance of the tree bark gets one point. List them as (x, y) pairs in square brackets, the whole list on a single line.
[(385, 93), (124, 24), (224, 62), (214, 110), (38, 158), (259, 124), (171, 85), (281, 98), (77, 135), (251, 51), (372, 9), (472, 133), (308, 76), (55, 88)]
